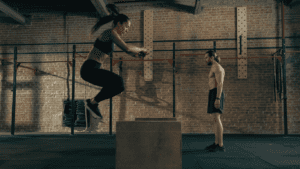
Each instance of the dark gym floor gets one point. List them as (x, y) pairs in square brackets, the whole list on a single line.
[(91, 151)]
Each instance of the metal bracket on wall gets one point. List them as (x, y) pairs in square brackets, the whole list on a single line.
[(148, 44), (242, 42)]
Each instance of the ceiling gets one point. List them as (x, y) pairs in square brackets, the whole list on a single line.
[(83, 7), (86, 8), (28, 6)]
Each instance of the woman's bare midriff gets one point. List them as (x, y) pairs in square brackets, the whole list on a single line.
[(97, 55)]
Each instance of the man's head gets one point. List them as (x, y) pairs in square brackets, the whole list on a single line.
[(211, 58)]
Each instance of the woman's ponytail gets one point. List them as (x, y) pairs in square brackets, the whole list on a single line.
[(114, 16), (114, 12), (113, 9), (101, 22)]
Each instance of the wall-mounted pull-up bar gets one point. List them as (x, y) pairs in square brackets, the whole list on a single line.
[(113, 62)]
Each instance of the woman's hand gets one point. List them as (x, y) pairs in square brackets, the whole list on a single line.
[(145, 51), (140, 55)]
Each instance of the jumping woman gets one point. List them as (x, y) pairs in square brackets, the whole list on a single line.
[(111, 83)]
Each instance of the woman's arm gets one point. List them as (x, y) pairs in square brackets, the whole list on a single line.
[(129, 49)]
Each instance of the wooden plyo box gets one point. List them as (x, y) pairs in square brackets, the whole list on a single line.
[(149, 143)]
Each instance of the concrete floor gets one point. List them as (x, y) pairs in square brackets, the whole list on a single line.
[(61, 151)]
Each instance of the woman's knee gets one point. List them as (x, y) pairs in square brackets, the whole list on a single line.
[(118, 83), (83, 75), (121, 85)]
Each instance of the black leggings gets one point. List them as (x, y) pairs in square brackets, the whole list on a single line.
[(112, 83)]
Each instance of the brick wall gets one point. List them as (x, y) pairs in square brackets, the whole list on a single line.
[(250, 107)]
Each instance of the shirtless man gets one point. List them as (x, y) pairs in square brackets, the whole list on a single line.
[(216, 98)]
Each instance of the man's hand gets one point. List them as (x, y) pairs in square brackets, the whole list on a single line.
[(217, 104)]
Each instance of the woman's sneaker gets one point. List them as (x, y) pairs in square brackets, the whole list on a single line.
[(211, 147), (93, 108)]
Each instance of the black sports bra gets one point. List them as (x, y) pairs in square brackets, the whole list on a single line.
[(106, 47)]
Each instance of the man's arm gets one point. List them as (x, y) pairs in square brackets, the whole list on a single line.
[(220, 79)]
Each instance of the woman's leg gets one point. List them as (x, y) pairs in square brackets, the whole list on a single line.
[(112, 83)]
